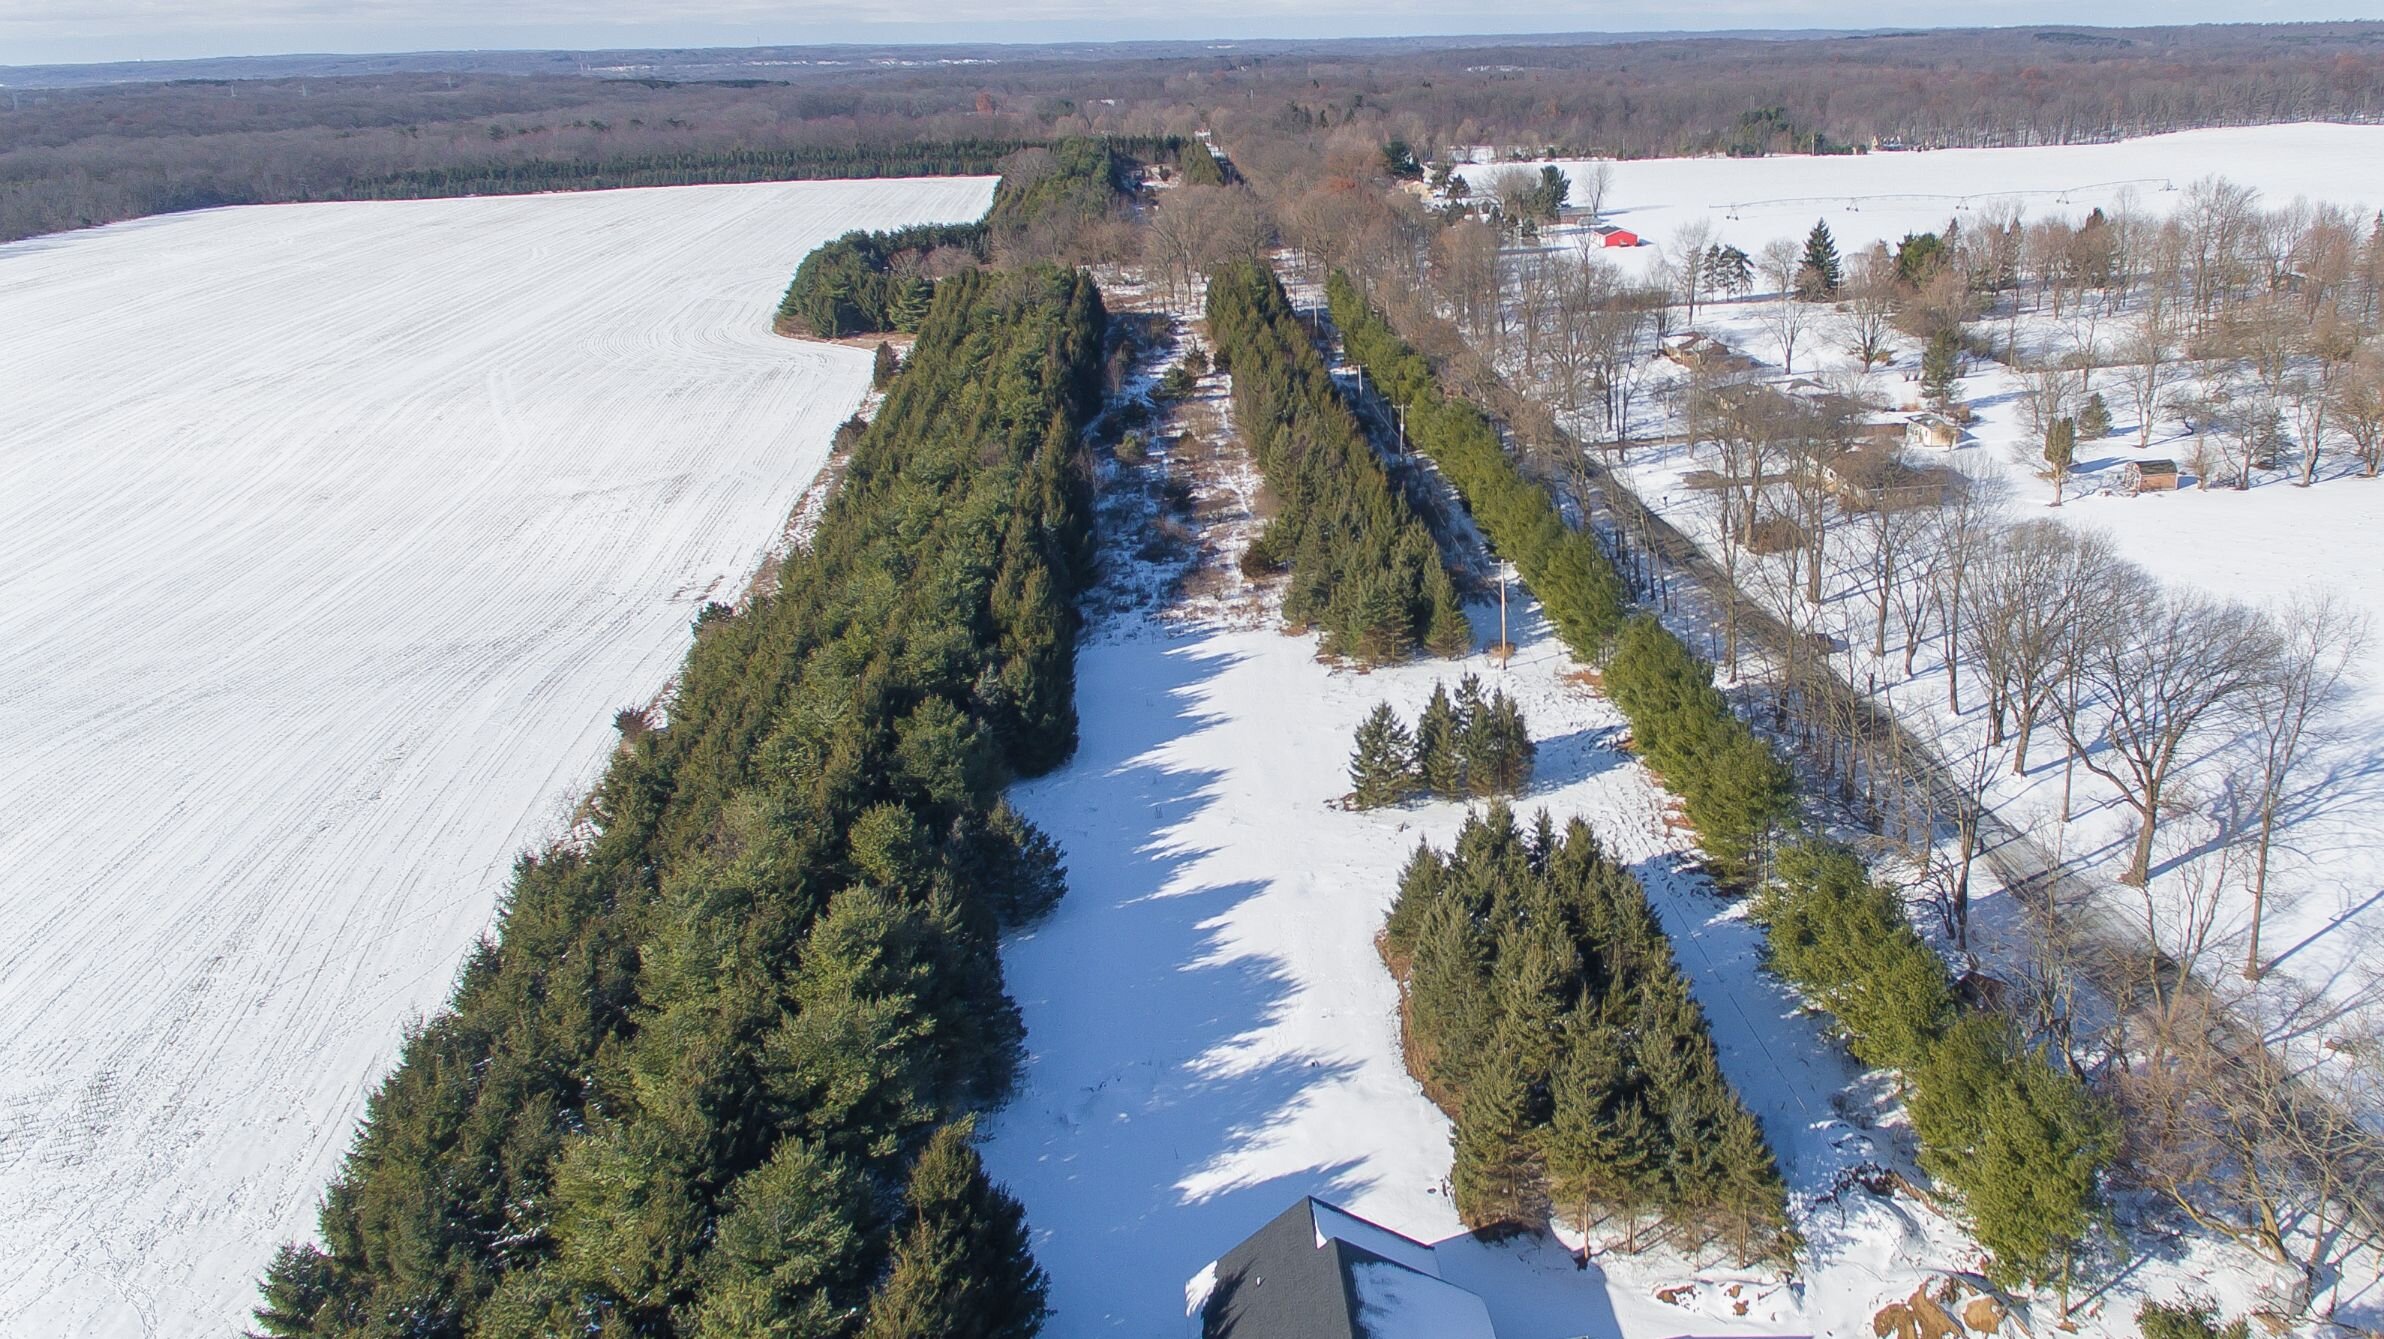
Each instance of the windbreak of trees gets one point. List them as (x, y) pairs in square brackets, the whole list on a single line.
[(711, 1076), (2016, 1136), (1564, 567), (1544, 1012), (1737, 790), (1363, 566)]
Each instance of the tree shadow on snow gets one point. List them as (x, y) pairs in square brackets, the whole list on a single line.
[(1139, 1140)]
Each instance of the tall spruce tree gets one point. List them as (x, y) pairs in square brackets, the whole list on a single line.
[(1440, 757), (963, 1267), (1941, 371), (1382, 770), (1495, 1171), (2020, 1142), (1819, 274)]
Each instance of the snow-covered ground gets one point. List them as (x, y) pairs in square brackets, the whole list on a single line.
[(1211, 1033), (1878, 197), (2325, 920), (331, 536)]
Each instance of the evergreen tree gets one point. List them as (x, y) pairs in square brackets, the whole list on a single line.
[(1440, 759), (963, 1267), (1819, 274), (1729, 270), (1494, 1175), (1382, 769), (788, 1259), (297, 1287), (882, 366), (2020, 1142), (1507, 751), (2094, 421), (1941, 371), (1448, 632)]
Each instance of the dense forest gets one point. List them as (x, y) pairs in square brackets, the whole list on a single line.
[(1544, 1013), (713, 1073), (86, 154), (1363, 566)]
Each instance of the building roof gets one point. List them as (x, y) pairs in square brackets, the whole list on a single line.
[(1321, 1272)]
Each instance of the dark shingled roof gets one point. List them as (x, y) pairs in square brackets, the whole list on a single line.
[(1282, 1282)]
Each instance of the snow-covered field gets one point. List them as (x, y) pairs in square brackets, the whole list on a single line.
[(1878, 197), (331, 536)]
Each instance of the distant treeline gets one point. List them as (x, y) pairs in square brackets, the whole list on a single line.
[(1364, 567), (934, 158), (1544, 1013), (711, 1076)]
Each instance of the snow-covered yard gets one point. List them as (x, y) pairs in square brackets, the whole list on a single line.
[(2265, 547), (1211, 1033), (331, 536)]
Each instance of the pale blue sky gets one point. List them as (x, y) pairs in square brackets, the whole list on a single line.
[(44, 31)]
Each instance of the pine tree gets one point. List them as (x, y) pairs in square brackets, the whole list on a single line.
[(1439, 756), (2094, 421), (2021, 1143), (1448, 632), (786, 1258), (1506, 749), (1382, 769), (1941, 371), (1495, 1173), (298, 1285), (882, 366), (1819, 274), (963, 1267)]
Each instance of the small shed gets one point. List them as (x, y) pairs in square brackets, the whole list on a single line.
[(1609, 235), (1933, 430), (2149, 476)]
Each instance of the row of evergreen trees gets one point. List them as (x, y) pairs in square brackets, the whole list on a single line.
[(694, 167), (1364, 567), (712, 1075), (1472, 746), (1738, 792), (1545, 1014), (2019, 1140), (1564, 567)]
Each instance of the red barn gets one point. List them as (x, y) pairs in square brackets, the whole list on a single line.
[(1609, 235)]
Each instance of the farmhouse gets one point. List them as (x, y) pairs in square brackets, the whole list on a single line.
[(1610, 235), (1320, 1272), (2149, 476)]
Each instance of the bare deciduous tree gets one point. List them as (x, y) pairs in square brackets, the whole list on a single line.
[(2164, 668)]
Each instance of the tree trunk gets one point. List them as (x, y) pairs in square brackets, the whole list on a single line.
[(2139, 869)]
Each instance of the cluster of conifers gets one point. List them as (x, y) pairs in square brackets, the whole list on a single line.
[(1544, 1013), (1472, 746)]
